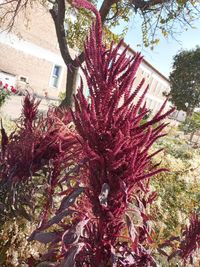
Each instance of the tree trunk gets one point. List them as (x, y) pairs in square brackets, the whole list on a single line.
[(191, 136), (58, 15), (71, 87), (189, 113)]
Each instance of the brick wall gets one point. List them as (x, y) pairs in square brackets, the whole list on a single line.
[(31, 50), (36, 70)]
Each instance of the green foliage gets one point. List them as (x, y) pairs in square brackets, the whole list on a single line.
[(178, 190), (14, 247), (61, 96), (79, 23), (156, 18), (4, 94), (185, 80), (160, 18), (194, 123), (191, 125), (177, 148)]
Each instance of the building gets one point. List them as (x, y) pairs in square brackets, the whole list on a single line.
[(30, 56), (159, 85), (30, 59)]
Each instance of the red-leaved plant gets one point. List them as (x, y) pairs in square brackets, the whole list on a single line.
[(94, 222), (188, 242), (33, 158)]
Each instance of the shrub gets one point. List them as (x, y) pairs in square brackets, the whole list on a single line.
[(15, 250), (178, 194), (34, 158)]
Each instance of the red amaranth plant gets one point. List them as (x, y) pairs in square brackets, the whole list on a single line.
[(191, 239), (116, 165), (34, 155)]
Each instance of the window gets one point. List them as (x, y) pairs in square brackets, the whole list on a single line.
[(23, 79), (55, 76), (150, 81), (8, 78), (154, 86)]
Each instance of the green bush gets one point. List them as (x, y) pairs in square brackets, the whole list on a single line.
[(179, 189)]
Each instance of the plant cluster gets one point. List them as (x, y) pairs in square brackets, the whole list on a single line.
[(108, 223), (191, 125)]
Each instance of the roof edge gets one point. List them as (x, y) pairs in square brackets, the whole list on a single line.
[(147, 63)]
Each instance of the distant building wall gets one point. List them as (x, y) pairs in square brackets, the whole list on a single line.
[(158, 85), (31, 53), (34, 68)]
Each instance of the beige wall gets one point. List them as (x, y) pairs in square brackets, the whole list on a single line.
[(36, 25), (37, 71), (31, 50), (157, 86)]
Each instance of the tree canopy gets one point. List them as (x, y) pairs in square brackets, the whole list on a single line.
[(185, 80), (157, 16)]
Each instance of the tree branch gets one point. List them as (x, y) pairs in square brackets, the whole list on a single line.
[(116, 13), (105, 9), (9, 10), (145, 5), (58, 15)]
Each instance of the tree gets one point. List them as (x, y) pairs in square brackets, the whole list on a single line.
[(185, 81), (192, 125), (157, 15)]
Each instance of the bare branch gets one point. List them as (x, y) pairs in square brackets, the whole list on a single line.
[(115, 14), (146, 5), (105, 8), (9, 9)]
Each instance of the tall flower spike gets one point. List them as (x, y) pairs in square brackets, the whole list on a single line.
[(116, 142), (115, 145)]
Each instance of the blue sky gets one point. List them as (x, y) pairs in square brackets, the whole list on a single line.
[(162, 55)]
